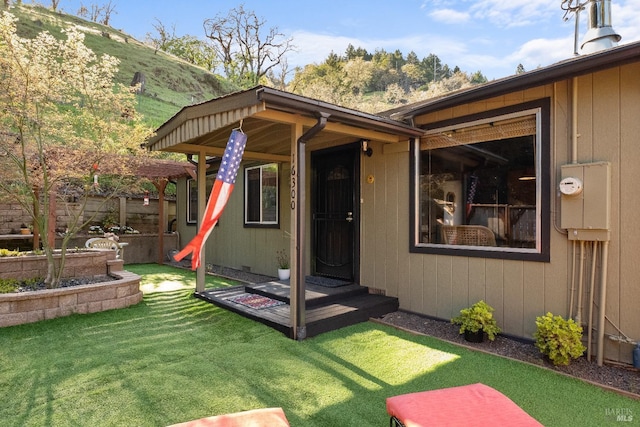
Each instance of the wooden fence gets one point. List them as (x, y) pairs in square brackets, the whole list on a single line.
[(131, 212)]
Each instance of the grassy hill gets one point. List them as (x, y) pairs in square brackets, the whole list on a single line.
[(170, 83)]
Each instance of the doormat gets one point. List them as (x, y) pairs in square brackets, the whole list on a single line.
[(255, 301), (326, 281)]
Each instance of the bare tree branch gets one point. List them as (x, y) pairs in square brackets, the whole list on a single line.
[(246, 53)]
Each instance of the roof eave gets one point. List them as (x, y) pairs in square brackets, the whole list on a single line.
[(289, 102)]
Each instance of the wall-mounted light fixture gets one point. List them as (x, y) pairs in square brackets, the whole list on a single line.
[(365, 148), (145, 201)]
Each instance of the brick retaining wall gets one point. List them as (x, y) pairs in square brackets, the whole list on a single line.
[(77, 264)]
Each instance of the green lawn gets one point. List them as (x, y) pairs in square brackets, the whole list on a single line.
[(173, 358)]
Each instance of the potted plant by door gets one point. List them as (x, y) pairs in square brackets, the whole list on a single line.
[(284, 271), (476, 321), (24, 229)]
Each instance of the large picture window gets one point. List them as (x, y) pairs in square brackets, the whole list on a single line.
[(481, 185), (261, 195)]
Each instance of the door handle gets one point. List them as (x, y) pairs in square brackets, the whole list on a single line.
[(349, 216)]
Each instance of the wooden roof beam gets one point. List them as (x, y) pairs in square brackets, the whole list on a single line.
[(219, 151)]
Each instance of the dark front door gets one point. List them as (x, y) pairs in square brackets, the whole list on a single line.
[(335, 213)]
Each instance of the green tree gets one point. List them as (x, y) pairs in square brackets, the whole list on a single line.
[(413, 76), (190, 48), (193, 50), (432, 67), (478, 78), (358, 74), (63, 122), (353, 53)]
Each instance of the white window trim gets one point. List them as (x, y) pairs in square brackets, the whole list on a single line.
[(246, 204)]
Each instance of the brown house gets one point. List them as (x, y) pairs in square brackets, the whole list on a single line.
[(519, 192)]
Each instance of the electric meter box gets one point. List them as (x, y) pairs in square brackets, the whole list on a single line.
[(585, 204)]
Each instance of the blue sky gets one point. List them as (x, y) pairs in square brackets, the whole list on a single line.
[(492, 36)]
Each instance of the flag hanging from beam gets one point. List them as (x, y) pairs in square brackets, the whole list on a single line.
[(222, 187)]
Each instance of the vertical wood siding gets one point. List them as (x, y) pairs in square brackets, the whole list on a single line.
[(231, 244), (439, 285)]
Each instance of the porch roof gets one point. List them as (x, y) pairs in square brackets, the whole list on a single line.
[(267, 116)]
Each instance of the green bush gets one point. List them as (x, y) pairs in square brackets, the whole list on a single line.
[(559, 339), (8, 286), (8, 252), (478, 316)]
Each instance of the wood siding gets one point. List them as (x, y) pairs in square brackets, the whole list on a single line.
[(231, 244), (439, 285)]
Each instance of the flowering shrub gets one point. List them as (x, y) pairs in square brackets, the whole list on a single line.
[(121, 229), (114, 229), (96, 229)]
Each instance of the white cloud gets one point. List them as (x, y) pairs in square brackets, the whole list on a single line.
[(495, 50), (542, 52), (449, 16), (515, 13), (625, 20), (312, 48)]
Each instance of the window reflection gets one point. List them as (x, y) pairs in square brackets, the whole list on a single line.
[(478, 184)]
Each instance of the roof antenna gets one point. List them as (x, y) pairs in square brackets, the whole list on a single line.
[(572, 6)]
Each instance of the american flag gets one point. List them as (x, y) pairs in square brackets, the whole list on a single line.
[(222, 187), (473, 184)]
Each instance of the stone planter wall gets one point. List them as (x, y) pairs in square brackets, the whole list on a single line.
[(27, 307), (77, 264)]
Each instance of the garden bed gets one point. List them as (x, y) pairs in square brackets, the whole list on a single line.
[(27, 307), (621, 378)]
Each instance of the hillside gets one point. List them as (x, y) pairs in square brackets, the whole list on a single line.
[(170, 83)]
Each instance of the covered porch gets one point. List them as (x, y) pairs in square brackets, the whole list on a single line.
[(283, 128), (326, 307)]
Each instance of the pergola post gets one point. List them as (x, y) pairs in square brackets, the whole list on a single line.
[(160, 185), (123, 211), (202, 206)]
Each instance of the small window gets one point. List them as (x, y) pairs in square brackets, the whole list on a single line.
[(192, 192), (481, 186), (261, 195)]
